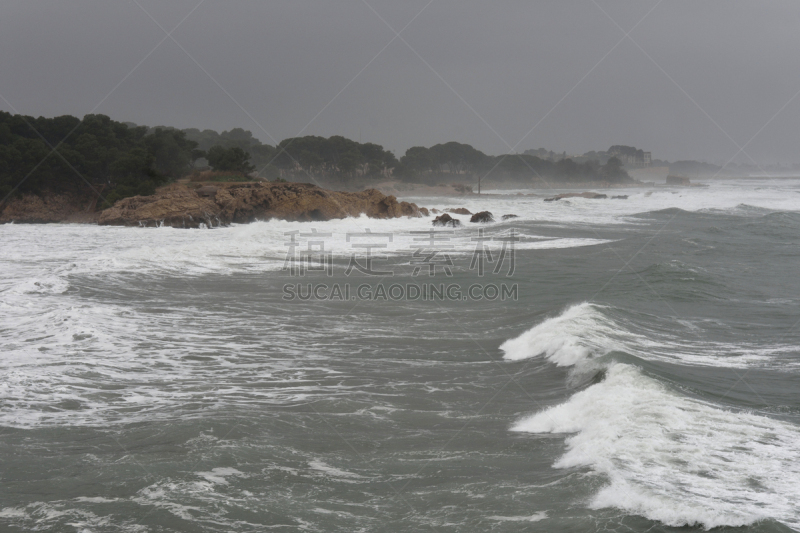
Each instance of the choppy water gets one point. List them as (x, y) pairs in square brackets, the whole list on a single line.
[(647, 376)]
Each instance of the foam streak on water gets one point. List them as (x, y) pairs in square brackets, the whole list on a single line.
[(665, 456), (586, 331), (673, 459)]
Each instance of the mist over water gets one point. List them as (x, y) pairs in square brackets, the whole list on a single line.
[(644, 379)]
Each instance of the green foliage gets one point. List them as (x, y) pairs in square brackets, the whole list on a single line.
[(69, 154), (457, 158), (442, 159), (173, 154), (440, 162), (613, 170), (261, 155), (130, 187), (417, 159), (233, 159), (631, 151), (334, 157)]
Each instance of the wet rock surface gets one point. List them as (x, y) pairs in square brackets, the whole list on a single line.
[(182, 207), (49, 208), (446, 220), (483, 217)]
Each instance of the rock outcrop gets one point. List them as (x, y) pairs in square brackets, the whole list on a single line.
[(483, 217), (208, 191), (592, 195), (459, 211), (182, 207), (446, 220), (179, 208), (49, 207)]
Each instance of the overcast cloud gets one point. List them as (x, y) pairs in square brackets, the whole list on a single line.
[(695, 80)]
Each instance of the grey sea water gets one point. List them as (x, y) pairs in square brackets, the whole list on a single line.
[(644, 378)]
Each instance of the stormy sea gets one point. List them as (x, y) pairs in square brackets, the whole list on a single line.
[(588, 365)]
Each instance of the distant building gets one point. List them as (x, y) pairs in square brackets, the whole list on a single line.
[(631, 157)]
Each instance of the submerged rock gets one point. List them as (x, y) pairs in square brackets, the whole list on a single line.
[(620, 197), (446, 220), (482, 217), (459, 211), (506, 217)]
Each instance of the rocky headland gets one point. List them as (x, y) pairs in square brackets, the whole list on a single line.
[(194, 205), (213, 206), (184, 206)]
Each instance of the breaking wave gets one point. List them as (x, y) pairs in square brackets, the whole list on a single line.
[(666, 456)]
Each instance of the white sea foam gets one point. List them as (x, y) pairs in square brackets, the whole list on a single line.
[(721, 196), (573, 336), (332, 471), (218, 475), (537, 517), (667, 457), (93, 364), (674, 459), (35, 267), (71, 360), (49, 516), (261, 246), (586, 331)]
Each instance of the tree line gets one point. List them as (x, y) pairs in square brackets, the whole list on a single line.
[(67, 154), (345, 160), (299, 157), (442, 161), (123, 159)]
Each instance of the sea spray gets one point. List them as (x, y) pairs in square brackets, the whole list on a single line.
[(675, 459)]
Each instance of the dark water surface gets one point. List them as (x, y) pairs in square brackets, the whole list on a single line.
[(645, 378)]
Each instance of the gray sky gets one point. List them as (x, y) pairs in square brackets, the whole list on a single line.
[(695, 80)]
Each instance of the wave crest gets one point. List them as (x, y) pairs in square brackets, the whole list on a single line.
[(577, 334), (675, 459), (587, 331)]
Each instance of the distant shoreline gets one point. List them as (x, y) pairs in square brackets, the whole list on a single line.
[(212, 204)]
